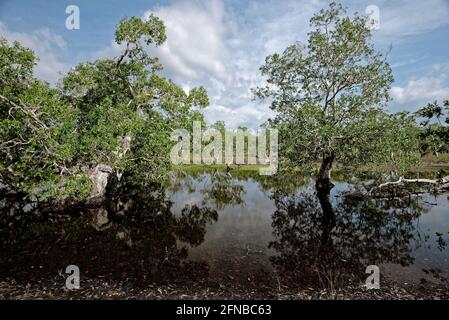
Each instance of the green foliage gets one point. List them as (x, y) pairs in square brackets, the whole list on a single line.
[(434, 133), (114, 112), (37, 129), (133, 30), (329, 95), (398, 143)]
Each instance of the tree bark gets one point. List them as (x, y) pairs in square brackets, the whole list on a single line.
[(328, 221), (323, 187), (323, 179)]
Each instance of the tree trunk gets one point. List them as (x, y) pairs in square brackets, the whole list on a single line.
[(323, 187), (100, 177), (328, 221), (323, 179)]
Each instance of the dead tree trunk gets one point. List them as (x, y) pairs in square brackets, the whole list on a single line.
[(440, 185)]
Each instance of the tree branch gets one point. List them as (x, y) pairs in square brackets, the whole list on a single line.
[(441, 184)]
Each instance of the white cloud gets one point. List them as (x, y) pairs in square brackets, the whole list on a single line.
[(221, 45), (45, 44), (221, 48), (423, 89), (250, 115), (238, 40), (114, 50), (407, 18), (195, 33)]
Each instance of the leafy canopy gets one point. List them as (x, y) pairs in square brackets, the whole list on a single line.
[(434, 131), (329, 95), (117, 113)]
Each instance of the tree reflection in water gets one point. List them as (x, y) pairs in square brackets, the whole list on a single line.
[(223, 190), (137, 238), (319, 241), (218, 189)]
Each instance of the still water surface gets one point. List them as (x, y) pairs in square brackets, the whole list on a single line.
[(214, 228), (263, 227)]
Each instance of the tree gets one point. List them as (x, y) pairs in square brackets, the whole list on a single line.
[(37, 130), (111, 116), (220, 126), (434, 134), (329, 95)]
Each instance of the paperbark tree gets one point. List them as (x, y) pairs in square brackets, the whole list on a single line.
[(329, 96)]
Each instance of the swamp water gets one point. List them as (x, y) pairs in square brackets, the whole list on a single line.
[(212, 229)]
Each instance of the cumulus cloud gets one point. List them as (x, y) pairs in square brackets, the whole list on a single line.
[(45, 44), (237, 40), (221, 45), (422, 89), (196, 33), (418, 91)]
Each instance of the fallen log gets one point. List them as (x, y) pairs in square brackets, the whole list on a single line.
[(441, 184)]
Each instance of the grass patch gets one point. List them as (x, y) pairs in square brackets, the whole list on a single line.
[(220, 167)]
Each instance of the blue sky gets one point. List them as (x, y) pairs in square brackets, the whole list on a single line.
[(220, 44)]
